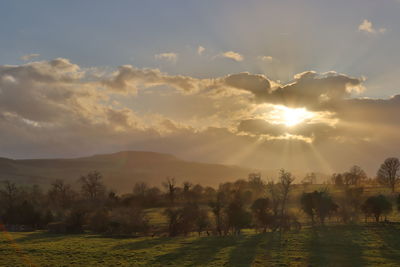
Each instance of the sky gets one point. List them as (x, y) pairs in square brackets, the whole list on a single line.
[(306, 85)]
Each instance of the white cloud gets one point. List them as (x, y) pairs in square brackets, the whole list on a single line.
[(29, 57), (232, 55), (266, 58), (366, 26), (200, 50), (172, 57)]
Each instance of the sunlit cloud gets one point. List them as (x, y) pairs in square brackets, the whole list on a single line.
[(130, 107), (366, 26), (29, 57), (172, 57), (290, 116), (232, 55), (200, 50), (266, 58)]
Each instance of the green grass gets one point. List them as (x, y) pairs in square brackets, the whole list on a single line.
[(339, 245)]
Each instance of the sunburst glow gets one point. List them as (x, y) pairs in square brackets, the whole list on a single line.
[(291, 116)]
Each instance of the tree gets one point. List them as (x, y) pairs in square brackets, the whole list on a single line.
[(140, 189), (285, 181), (350, 203), (238, 217), (60, 194), (275, 198), (260, 209), (202, 221), (217, 208), (388, 173), (337, 179), (318, 204), (187, 194), (92, 186), (376, 206), (256, 184), (9, 193), (170, 185), (309, 179), (355, 176)]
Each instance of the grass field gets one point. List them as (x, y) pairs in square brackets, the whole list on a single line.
[(349, 245)]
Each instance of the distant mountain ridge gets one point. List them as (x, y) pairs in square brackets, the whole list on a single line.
[(120, 170)]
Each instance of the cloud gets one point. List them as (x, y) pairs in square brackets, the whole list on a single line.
[(129, 79), (266, 58), (259, 85), (366, 26), (57, 108), (29, 57), (172, 57), (316, 91), (232, 55), (200, 50)]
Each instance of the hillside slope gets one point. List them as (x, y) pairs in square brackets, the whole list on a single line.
[(120, 170)]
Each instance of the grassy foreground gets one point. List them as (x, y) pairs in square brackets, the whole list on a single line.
[(355, 245)]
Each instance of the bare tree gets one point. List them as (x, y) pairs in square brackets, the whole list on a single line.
[(60, 194), (9, 194), (285, 181), (217, 208), (355, 176), (275, 198), (92, 186), (187, 186), (388, 173), (140, 189), (256, 184), (170, 185)]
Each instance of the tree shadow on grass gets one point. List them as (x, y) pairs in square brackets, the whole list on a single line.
[(244, 253), (390, 235), (199, 252), (39, 237), (335, 246), (144, 244)]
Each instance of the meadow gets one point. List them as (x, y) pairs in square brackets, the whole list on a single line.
[(332, 245)]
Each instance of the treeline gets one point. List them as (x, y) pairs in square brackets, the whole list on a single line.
[(276, 205)]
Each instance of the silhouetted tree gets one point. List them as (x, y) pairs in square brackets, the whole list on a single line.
[(256, 184), (187, 194), (355, 176), (92, 186), (238, 217), (260, 209), (337, 179), (140, 189), (318, 204), (174, 217), (350, 204), (388, 173), (9, 194), (309, 179), (285, 181), (202, 221), (170, 185), (376, 206), (61, 195), (217, 208), (273, 191)]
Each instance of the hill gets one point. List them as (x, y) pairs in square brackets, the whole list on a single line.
[(120, 170)]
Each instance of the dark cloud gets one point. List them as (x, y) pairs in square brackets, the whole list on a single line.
[(309, 89), (259, 85)]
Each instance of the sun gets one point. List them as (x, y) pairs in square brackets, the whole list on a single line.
[(291, 116)]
